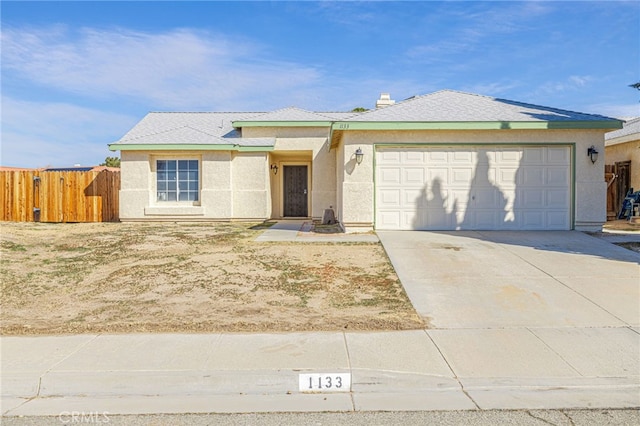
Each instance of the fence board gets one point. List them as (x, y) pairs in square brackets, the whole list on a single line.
[(67, 196)]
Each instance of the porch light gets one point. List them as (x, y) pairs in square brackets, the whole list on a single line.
[(274, 169), (592, 152), (359, 155)]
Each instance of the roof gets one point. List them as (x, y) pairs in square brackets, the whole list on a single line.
[(446, 109), (190, 129), (454, 106), (630, 131)]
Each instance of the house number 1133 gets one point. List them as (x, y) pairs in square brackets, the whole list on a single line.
[(330, 382)]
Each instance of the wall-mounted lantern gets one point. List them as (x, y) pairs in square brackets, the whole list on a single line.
[(359, 156), (274, 169), (592, 152)]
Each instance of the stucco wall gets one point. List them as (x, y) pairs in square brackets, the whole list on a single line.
[(250, 186), (294, 146), (357, 181), (628, 151), (232, 186)]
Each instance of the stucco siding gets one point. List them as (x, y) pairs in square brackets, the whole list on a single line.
[(232, 186), (295, 146), (250, 186), (357, 198)]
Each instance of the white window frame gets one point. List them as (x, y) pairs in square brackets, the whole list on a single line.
[(180, 180)]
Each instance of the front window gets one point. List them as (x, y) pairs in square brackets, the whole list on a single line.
[(177, 180)]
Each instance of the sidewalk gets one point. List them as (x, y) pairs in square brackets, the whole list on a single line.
[(577, 346), (402, 370)]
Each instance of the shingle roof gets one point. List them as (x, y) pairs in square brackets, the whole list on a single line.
[(452, 106), (216, 128), (213, 128), (292, 114), (630, 127)]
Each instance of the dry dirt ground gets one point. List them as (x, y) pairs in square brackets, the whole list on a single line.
[(167, 277)]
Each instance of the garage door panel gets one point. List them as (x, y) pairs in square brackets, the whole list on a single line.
[(413, 197), (389, 157), (559, 156), (462, 157), (557, 176), (413, 176), (532, 198), (557, 199), (532, 176), (556, 220), (506, 176), (461, 176), (412, 219), (389, 176), (388, 219), (488, 187), (508, 157), (533, 155), (439, 174), (389, 198), (413, 157), (435, 157)]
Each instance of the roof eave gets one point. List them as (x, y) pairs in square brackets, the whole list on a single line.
[(476, 125), (188, 147), (242, 123)]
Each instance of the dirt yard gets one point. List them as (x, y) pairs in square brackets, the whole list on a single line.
[(166, 277)]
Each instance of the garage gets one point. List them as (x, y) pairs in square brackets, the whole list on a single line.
[(473, 187)]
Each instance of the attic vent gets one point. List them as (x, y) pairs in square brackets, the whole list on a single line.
[(384, 101)]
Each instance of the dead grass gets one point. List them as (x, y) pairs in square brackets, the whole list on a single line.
[(111, 278)]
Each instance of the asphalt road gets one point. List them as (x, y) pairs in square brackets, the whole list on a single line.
[(600, 417)]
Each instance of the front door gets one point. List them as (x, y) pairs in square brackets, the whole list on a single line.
[(295, 191)]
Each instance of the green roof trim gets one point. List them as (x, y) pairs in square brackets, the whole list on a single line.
[(477, 125), (187, 147), (242, 123)]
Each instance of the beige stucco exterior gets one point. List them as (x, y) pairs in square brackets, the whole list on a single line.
[(356, 182), (243, 185), (233, 185)]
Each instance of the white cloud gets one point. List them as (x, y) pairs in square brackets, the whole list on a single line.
[(174, 69), (622, 111), (38, 134)]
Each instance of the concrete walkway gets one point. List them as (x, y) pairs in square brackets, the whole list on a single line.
[(301, 231), (520, 321)]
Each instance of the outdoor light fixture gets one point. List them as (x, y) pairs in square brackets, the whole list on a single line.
[(592, 152), (359, 155), (274, 168)]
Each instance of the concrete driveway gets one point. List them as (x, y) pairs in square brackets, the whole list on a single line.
[(516, 279), (528, 318)]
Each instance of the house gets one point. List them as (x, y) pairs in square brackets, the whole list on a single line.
[(622, 159), (443, 161)]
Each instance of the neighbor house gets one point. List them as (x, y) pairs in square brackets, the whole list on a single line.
[(443, 161), (622, 156)]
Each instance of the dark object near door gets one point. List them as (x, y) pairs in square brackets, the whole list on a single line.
[(627, 204)]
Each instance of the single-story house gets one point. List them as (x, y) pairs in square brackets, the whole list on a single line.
[(622, 155), (443, 161)]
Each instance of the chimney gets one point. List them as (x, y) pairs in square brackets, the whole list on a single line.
[(384, 101)]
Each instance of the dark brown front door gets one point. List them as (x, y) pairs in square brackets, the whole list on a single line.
[(295, 191)]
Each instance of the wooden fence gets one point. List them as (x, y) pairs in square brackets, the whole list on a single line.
[(55, 196)]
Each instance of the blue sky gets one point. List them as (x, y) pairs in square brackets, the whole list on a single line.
[(78, 75)]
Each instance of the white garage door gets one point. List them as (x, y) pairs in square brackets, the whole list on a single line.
[(473, 188)]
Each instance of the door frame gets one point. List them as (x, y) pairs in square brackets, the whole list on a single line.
[(281, 186)]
